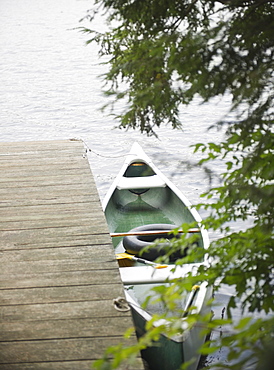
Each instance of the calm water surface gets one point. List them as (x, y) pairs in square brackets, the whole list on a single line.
[(50, 90)]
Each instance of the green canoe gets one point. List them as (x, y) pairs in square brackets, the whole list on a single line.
[(141, 206)]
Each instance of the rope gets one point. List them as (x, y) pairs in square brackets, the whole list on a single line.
[(88, 149)]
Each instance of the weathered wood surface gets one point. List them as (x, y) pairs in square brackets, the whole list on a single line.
[(58, 274)]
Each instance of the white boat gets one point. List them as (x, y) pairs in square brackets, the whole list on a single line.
[(142, 205)]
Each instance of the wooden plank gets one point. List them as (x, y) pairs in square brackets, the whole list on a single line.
[(47, 192), (90, 208), (73, 278), (53, 208), (48, 259), (53, 266), (18, 182), (59, 275), (12, 164), (64, 328), (68, 152), (43, 200), (39, 147), (53, 238), (34, 164), (51, 194), (8, 189), (61, 311), (52, 211), (38, 175), (22, 249), (54, 350), (67, 365), (99, 252), (58, 294), (56, 221)]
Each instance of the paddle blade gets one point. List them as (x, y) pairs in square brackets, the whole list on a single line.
[(120, 256), (124, 260)]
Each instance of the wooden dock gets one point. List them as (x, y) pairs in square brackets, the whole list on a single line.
[(58, 274)]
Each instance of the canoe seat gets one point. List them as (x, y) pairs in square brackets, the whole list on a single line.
[(149, 275), (145, 182)]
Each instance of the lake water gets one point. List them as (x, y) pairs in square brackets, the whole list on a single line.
[(50, 90)]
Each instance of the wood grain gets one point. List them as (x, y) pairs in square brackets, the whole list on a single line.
[(59, 275)]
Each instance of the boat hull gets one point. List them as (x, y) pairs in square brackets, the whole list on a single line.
[(169, 353), (126, 211), (142, 195)]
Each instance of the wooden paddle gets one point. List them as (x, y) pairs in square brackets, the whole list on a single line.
[(190, 300), (140, 260), (158, 232)]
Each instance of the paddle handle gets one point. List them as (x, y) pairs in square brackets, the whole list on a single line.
[(132, 233), (190, 300), (148, 263)]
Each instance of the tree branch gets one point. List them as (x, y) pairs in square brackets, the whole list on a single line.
[(242, 3)]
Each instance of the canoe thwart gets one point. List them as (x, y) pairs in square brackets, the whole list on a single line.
[(145, 182), (157, 232), (139, 275)]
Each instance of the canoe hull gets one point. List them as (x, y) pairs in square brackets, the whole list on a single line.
[(168, 353), (142, 195)]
